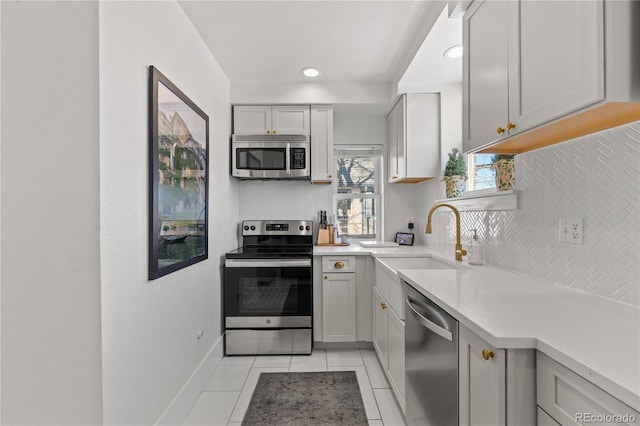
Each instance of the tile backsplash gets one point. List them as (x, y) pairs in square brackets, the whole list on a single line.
[(597, 178)]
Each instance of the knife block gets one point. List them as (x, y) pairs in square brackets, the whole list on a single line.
[(323, 236)]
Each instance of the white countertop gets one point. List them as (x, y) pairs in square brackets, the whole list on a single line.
[(596, 337)]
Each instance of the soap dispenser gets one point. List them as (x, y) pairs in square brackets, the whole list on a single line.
[(476, 250)]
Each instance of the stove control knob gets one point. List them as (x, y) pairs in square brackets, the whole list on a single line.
[(246, 227), (253, 227), (308, 228), (301, 228)]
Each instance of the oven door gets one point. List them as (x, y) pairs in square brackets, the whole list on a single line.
[(270, 159), (267, 293)]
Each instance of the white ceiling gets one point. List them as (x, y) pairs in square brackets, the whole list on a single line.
[(349, 41)]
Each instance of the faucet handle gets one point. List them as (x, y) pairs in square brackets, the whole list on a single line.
[(459, 253)]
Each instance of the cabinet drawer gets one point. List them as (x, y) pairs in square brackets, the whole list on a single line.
[(338, 264), (571, 400)]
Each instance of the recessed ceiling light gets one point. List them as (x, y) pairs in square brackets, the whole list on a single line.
[(453, 51), (310, 72)]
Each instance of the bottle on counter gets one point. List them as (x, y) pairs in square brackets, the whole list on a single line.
[(476, 250)]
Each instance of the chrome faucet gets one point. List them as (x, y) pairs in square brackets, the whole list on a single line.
[(459, 250)]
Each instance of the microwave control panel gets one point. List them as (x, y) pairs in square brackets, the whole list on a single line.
[(298, 158)]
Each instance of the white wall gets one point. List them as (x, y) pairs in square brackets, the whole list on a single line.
[(301, 200), (51, 339), (149, 327), (596, 177)]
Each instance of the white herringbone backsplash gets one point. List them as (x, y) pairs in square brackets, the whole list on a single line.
[(597, 178)]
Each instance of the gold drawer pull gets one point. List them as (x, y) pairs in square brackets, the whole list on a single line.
[(500, 130), (274, 132), (338, 265), (511, 126), (383, 305), (326, 277), (487, 354), (268, 132)]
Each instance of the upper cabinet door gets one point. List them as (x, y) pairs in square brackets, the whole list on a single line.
[(290, 120), (322, 164), (392, 144), (251, 119), (556, 61), (267, 119), (401, 139), (486, 73)]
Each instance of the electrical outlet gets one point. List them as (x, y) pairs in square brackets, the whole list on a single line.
[(410, 223), (571, 230)]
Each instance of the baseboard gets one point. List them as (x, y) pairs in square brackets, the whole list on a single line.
[(179, 408), (343, 345)]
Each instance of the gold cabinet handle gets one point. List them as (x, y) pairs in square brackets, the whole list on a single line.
[(487, 354), (338, 265), (500, 130), (510, 126), (383, 305), (326, 277), (329, 176), (268, 131), (274, 132), (394, 177)]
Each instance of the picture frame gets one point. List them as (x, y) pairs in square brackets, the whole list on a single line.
[(178, 178)]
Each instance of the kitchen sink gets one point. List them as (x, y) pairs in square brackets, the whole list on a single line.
[(396, 263), (388, 283)]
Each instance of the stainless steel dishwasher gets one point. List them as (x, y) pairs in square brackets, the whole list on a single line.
[(431, 362)]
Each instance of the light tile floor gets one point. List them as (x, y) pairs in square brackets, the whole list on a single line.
[(226, 397)]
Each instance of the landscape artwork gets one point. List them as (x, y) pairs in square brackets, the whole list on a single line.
[(178, 178)]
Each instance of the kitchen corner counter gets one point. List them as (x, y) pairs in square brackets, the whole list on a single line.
[(597, 338)]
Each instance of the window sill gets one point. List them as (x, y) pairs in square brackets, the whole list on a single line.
[(484, 201)]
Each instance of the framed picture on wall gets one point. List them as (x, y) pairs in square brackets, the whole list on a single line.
[(178, 178)]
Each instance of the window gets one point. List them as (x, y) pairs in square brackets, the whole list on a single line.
[(481, 174), (357, 191)]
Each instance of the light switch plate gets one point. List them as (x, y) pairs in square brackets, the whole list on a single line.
[(571, 230)]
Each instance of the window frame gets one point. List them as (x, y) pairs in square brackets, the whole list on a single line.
[(372, 151), (472, 177)]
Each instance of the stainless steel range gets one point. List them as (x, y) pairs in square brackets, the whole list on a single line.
[(268, 289)]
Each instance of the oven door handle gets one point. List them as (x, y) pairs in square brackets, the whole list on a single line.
[(271, 263)]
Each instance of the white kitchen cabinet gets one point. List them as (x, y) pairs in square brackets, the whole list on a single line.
[(338, 299), (566, 398), (496, 386), (528, 63), (396, 367), (365, 277), (267, 119), (388, 342), (322, 165), (380, 329), (337, 312), (413, 138), (485, 71)]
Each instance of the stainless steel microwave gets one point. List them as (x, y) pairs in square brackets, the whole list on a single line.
[(270, 156)]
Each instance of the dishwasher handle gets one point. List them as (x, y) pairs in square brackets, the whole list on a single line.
[(440, 331)]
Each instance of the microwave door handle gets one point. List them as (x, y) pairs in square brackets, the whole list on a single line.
[(288, 162)]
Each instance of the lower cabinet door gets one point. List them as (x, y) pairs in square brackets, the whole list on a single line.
[(380, 329), (482, 399), (396, 356), (339, 307)]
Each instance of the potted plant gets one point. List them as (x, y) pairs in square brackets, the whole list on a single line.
[(505, 174), (455, 174)]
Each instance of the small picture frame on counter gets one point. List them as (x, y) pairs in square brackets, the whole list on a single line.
[(404, 238)]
